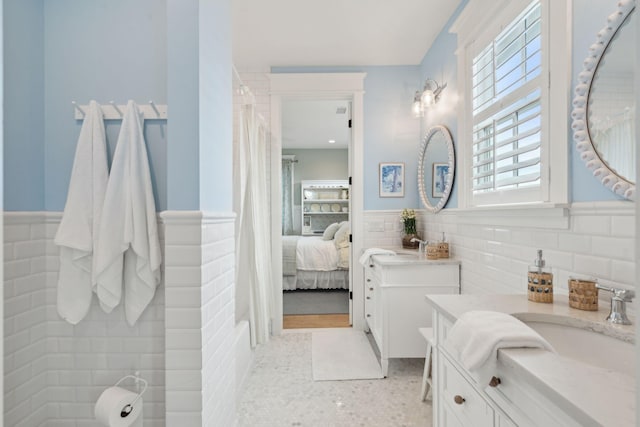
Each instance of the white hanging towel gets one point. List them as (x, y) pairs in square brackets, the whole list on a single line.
[(128, 249), (78, 230)]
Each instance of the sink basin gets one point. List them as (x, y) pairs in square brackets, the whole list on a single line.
[(581, 342), (406, 255)]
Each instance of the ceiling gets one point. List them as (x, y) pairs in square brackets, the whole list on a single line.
[(311, 124), (273, 33), (335, 32)]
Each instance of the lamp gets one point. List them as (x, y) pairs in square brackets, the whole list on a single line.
[(428, 98), (418, 110)]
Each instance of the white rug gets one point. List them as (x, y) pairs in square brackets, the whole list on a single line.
[(343, 354)]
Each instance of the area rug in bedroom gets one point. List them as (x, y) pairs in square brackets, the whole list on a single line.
[(315, 302), (343, 354)]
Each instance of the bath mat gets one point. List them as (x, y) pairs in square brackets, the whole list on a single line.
[(343, 354)]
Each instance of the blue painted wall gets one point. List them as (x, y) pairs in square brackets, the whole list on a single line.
[(104, 50), (216, 107), (24, 98), (440, 63), (74, 50), (589, 17), (391, 133)]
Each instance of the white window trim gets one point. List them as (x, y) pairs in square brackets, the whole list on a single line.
[(471, 27)]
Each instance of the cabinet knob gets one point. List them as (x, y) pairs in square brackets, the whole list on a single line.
[(495, 382), (370, 289), (368, 297), (371, 265), (368, 280), (458, 399), (368, 315)]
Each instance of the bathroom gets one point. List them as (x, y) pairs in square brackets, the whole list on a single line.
[(73, 50)]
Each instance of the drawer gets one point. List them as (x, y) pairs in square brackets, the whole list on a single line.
[(461, 398), (420, 274)]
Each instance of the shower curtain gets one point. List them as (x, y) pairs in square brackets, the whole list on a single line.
[(253, 260), (287, 197)]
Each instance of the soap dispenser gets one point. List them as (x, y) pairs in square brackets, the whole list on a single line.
[(540, 281)]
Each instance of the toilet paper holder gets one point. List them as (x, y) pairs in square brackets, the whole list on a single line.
[(126, 410)]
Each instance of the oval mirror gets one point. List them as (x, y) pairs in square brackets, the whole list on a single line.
[(436, 167), (604, 104)]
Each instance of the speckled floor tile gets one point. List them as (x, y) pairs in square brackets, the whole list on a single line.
[(281, 392)]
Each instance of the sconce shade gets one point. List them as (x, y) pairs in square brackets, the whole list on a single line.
[(429, 97), (418, 110)]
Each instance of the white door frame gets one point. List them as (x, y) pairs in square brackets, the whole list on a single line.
[(342, 86)]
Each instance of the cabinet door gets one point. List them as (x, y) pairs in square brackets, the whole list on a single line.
[(449, 419), (458, 396), (406, 311), (504, 421)]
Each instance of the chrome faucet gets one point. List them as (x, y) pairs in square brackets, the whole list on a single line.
[(619, 298), (422, 244)]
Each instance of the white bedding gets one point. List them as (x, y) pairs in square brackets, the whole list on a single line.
[(315, 254), (314, 263)]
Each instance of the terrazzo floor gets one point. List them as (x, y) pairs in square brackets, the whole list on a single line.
[(280, 392)]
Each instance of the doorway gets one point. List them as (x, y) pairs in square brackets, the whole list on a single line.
[(289, 89), (316, 140)]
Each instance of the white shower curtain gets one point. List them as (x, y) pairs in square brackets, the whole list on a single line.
[(253, 249)]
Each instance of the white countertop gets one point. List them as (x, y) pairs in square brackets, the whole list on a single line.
[(590, 393), (410, 256)]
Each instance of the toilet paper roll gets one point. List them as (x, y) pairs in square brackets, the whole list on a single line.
[(110, 405)]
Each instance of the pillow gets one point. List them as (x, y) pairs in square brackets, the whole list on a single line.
[(342, 236), (330, 231)]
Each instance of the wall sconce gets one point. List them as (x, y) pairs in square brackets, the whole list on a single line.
[(428, 98)]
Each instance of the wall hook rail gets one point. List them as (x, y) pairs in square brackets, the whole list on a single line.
[(77, 107), (153, 105), (115, 107), (113, 111)]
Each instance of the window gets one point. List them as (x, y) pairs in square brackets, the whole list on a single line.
[(505, 134)]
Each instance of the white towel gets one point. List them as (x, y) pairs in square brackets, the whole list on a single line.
[(78, 230), (129, 249), (364, 258), (477, 336)]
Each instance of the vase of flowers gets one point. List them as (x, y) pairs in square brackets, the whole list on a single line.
[(410, 232)]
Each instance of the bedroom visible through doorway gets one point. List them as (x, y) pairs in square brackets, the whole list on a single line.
[(316, 248)]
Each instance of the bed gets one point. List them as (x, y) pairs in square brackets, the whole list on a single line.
[(312, 262)]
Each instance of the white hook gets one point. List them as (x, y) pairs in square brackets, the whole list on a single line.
[(154, 108), (76, 106), (113, 104)]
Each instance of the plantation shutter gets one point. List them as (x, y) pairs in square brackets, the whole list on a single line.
[(506, 107)]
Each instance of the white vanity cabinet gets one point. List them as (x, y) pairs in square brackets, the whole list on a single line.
[(456, 400), (395, 306), (459, 401)]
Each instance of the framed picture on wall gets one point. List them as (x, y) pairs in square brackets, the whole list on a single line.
[(391, 180), (439, 178)]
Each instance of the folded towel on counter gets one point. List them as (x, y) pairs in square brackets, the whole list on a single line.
[(129, 249), (366, 255), (78, 231), (477, 336)]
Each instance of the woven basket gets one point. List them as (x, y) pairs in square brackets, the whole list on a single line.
[(432, 251), (583, 294), (443, 250), (540, 287)]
